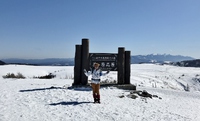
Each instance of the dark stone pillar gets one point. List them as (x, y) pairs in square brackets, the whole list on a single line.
[(77, 65), (127, 67), (85, 60), (121, 59)]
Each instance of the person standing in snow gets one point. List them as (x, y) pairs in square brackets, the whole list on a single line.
[(95, 81)]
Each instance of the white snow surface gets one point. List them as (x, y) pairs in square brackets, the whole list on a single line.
[(33, 99)]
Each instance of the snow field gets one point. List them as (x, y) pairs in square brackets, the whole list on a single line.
[(48, 100)]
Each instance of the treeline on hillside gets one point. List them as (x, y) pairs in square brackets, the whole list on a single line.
[(189, 63), (2, 63)]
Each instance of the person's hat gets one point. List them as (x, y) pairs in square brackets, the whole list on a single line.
[(96, 64)]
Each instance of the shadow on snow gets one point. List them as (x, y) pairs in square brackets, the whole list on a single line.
[(80, 88), (40, 89), (69, 103), (52, 87)]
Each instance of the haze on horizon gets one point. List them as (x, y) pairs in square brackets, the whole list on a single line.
[(37, 29)]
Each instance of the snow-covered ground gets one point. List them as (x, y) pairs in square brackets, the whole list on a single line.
[(33, 99)]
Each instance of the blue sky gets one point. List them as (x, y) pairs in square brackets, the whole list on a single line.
[(36, 29)]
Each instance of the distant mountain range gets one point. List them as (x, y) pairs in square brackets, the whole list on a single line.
[(136, 59), (39, 62), (158, 58)]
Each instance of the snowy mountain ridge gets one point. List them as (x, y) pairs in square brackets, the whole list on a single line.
[(135, 59)]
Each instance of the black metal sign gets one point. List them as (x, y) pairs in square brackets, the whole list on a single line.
[(107, 61)]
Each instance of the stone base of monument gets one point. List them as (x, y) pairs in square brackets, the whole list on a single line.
[(119, 86)]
